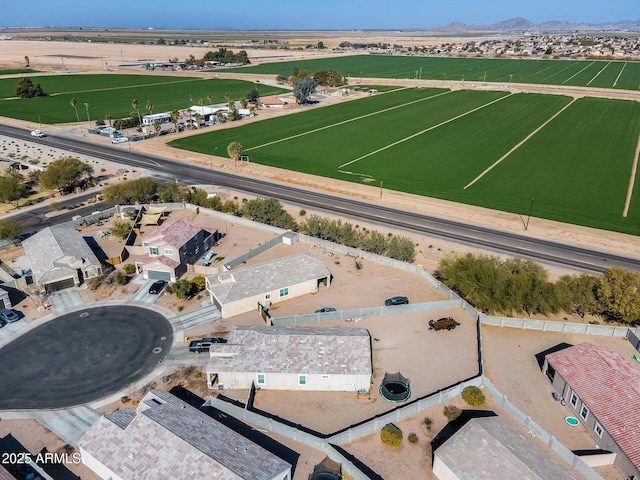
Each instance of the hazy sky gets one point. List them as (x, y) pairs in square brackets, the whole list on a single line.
[(305, 15)]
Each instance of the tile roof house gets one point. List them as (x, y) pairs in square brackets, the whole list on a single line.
[(165, 438), (603, 389), (60, 258), (490, 448), (167, 250), (293, 358), (272, 102), (239, 291)]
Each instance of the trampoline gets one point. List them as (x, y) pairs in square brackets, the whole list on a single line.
[(327, 469), (395, 387)]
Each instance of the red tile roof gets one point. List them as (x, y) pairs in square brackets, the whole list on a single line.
[(175, 233), (609, 385), (272, 101)]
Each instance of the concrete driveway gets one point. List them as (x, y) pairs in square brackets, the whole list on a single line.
[(82, 356)]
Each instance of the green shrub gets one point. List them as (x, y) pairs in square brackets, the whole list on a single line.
[(413, 438), (182, 289), (391, 435), (198, 283), (451, 412), (124, 399), (473, 396), (129, 268)]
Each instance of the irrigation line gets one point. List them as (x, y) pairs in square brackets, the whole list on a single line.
[(596, 76), (577, 73), (402, 140), (347, 121), (518, 145), (621, 70), (632, 179)]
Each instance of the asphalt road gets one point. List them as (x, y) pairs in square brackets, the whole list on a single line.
[(550, 252), (81, 357)]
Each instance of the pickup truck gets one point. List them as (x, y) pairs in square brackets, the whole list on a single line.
[(447, 323), (204, 344)]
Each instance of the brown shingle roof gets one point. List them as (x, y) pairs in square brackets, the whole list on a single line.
[(609, 385)]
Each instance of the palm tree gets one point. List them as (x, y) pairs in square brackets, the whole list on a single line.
[(150, 107), (198, 116), (109, 118), (157, 127), (74, 104), (234, 149), (209, 97), (135, 105), (219, 117), (175, 117)]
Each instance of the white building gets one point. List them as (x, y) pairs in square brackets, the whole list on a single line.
[(293, 358), (239, 291), (160, 117)]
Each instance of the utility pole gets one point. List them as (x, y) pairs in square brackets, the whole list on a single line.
[(211, 164), (86, 106), (526, 226)]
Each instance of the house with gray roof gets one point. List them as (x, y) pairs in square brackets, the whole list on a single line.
[(293, 358), (490, 448), (239, 291), (603, 390), (60, 258), (166, 251), (165, 437)]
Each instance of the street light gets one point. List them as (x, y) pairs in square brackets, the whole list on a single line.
[(86, 106), (211, 163)]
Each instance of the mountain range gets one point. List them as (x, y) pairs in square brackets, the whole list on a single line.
[(520, 24)]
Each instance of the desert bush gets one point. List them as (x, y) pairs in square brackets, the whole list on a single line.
[(413, 438), (182, 289), (94, 283), (473, 396), (451, 412), (124, 399), (391, 435), (428, 422), (121, 229)]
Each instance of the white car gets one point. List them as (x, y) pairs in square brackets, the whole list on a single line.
[(120, 140), (37, 133)]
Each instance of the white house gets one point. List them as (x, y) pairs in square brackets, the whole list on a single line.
[(293, 358), (239, 291), (165, 438)]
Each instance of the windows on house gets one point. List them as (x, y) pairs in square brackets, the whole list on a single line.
[(168, 251), (262, 379), (302, 380), (573, 400), (284, 292), (153, 251), (584, 412), (267, 296), (598, 429)]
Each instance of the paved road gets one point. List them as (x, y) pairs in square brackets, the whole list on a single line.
[(587, 259), (82, 356)]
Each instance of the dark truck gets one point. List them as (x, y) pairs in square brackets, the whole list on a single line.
[(447, 323), (204, 344)]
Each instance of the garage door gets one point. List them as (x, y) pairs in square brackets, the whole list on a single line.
[(61, 285), (159, 275)]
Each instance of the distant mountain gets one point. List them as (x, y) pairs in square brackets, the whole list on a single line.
[(520, 24)]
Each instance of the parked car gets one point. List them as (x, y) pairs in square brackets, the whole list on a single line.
[(157, 287), (37, 133), (204, 345), (9, 316), (399, 300), (325, 310), (120, 140)]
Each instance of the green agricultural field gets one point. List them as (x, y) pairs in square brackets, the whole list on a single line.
[(16, 71), (471, 70), (112, 95), (574, 158)]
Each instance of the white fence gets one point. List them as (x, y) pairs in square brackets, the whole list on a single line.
[(538, 432)]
